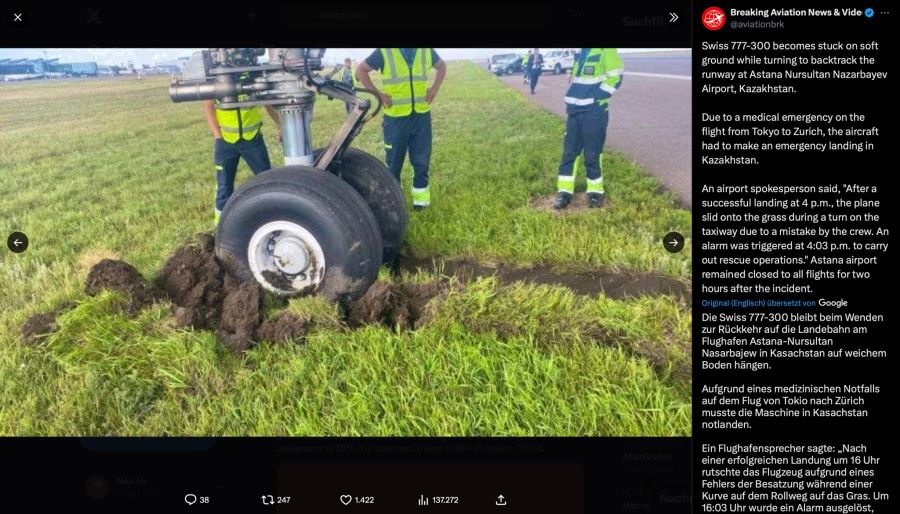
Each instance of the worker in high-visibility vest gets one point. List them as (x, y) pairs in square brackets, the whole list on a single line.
[(237, 134), (596, 76), (406, 101), (525, 67), (345, 74)]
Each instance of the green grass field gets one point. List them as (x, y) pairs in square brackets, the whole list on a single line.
[(111, 168)]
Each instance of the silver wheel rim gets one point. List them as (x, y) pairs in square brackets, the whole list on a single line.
[(286, 259)]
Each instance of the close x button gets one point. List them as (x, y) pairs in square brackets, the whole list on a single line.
[(17, 17)]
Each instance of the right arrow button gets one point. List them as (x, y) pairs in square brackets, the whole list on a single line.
[(673, 242)]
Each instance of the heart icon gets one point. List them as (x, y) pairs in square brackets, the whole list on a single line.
[(345, 499)]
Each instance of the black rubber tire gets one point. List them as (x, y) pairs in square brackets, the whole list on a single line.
[(374, 182), (321, 203), (557, 69)]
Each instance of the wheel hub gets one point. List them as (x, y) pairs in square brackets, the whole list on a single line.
[(286, 259), (290, 255)]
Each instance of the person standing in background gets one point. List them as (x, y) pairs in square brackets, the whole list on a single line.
[(535, 63), (346, 75), (525, 67)]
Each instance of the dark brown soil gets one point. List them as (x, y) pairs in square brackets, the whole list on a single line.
[(415, 299), (237, 342), (124, 278), (594, 282), (240, 310), (400, 306), (207, 297), (194, 281), (278, 281), (372, 307), (204, 294), (38, 327), (283, 328)]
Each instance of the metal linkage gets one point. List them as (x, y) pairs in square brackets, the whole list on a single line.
[(235, 78)]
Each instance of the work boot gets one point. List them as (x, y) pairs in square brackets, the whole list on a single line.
[(562, 200), (596, 200)]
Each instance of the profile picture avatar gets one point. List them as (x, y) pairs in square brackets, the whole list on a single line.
[(713, 18)]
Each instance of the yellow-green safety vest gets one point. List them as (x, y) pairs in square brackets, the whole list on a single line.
[(239, 123), (595, 77), (406, 85), (338, 75)]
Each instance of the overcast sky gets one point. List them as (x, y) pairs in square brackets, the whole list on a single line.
[(140, 56)]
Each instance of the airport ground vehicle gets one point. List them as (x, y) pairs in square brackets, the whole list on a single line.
[(506, 64), (498, 58), (559, 61)]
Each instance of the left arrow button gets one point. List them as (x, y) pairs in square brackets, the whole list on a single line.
[(17, 242)]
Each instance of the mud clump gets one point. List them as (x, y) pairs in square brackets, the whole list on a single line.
[(240, 309), (194, 280), (283, 328), (278, 281), (240, 317), (120, 276), (372, 307), (204, 295), (38, 327), (412, 303), (207, 297), (400, 306)]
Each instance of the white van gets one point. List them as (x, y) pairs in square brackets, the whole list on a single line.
[(559, 61)]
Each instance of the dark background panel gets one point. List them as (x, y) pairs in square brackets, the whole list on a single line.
[(564, 475), (871, 98), (346, 24)]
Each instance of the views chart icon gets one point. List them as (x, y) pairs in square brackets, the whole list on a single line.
[(713, 18)]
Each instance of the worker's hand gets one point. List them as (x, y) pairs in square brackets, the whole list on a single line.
[(385, 99), (430, 94)]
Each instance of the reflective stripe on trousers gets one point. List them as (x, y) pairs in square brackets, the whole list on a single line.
[(408, 135), (421, 196), (565, 183), (585, 133)]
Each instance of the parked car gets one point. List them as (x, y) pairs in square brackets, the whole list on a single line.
[(511, 64), (559, 61), (495, 59)]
